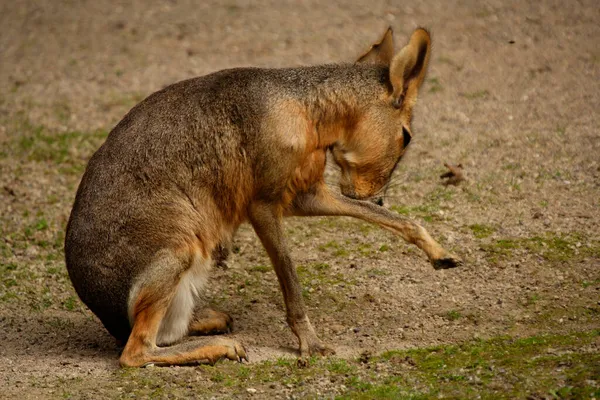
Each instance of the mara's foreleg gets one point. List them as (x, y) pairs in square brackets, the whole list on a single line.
[(321, 201), (267, 224)]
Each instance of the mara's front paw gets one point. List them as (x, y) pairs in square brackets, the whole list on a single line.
[(446, 262), (310, 344), (313, 347)]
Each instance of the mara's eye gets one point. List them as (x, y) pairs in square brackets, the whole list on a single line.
[(406, 136)]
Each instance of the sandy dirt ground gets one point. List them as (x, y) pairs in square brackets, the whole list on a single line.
[(513, 93)]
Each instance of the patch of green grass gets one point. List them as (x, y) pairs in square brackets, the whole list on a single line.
[(9, 282), (554, 247), (377, 272), (439, 194), (515, 184), (504, 367), (60, 324), (435, 85), (319, 277), (511, 166), (335, 248), (389, 390), (506, 244), (43, 301), (364, 249), (37, 232), (481, 231), (532, 299), (545, 366), (8, 296), (557, 175), (10, 277), (336, 224), (69, 149), (4, 268), (431, 206), (261, 268), (318, 271), (553, 318), (52, 270), (479, 94), (321, 267), (59, 240), (5, 250), (343, 250), (453, 315), (41, 224), (70, 303), (403, 210), (586, 284), (218, 376), (339, 366)]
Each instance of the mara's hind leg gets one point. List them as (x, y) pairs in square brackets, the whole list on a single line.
[(161, 311), (207, 321), (141, 347)]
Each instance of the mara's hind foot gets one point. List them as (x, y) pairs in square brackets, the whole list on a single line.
[(162, 312), (210, 322), (141, 349), (189, 353)]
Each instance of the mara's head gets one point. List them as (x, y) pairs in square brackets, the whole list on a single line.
[(369, 152)]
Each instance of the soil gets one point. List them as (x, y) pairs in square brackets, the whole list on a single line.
[(512, 94)]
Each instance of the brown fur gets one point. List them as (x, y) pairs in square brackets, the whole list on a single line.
[(209, 321), (160, 200)]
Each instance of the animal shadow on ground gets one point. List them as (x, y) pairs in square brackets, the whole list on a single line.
[(43, 336)]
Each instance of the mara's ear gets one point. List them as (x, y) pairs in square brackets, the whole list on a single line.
[(382, 51), (408, 68)]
